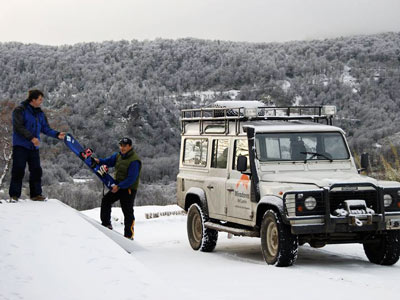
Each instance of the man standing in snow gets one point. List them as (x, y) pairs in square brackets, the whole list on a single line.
[(28, 122), (127, 170)]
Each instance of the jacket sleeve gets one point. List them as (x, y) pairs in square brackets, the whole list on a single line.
[(45, 128), (133, 173), (18, 124), (109, 161)]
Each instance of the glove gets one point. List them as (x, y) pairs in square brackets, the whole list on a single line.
[(86, 153)]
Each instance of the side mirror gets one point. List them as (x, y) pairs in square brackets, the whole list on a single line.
[(241, 164), (364, 161)]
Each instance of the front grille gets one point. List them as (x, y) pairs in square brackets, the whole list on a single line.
[(337, 198)]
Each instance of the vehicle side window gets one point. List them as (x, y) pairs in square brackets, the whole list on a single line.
[(241, 148), (220, 154), (195, 152)]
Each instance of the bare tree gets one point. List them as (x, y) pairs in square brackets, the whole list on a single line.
[(5, 138)]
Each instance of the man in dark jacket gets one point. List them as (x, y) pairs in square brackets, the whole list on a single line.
[(28, 122), (127, 170)]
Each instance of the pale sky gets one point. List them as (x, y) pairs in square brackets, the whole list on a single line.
[(55, 22)]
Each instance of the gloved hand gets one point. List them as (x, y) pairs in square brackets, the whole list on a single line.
[(86, 153)]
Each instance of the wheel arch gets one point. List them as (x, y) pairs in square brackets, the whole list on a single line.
[(270, 202), (196, 195)]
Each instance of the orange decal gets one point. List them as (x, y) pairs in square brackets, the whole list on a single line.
[(244, 179)]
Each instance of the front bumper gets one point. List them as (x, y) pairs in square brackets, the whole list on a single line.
[(373, 221), (352, 223)]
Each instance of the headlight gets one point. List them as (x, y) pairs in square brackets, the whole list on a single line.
[(387, 200), (310, 203)]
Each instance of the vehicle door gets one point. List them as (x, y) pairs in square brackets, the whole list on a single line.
[(218, 174), (238, 186)]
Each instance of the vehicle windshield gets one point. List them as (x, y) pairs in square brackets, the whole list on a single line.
[(301, 146)]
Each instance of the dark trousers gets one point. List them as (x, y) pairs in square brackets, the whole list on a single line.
[(127, 200), (21, 156)]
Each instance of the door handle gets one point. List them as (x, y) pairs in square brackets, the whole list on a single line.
[(210, 187), (230, 190)]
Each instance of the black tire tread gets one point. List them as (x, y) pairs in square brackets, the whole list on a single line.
[(288, 243), (210, 236), (386, 250)]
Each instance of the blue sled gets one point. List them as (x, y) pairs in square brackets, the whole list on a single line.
[(75, 147)]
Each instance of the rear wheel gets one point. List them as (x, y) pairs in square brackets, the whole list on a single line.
[(200, 237), (384, 249), (279, 246)]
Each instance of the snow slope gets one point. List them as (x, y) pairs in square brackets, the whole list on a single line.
[(48, 251)]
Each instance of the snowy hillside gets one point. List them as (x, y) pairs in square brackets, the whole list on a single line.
[(48, 251)]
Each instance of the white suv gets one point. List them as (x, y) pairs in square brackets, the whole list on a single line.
[(297, 184)]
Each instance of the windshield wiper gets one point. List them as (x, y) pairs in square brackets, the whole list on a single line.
[(314, 154)]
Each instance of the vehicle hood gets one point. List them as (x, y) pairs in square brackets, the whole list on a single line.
[(320, 179)]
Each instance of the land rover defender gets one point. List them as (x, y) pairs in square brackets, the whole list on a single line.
[(284, 174)]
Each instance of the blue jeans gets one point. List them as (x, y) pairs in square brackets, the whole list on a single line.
[(21, 156)]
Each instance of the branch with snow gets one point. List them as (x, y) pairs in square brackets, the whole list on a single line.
[(7, 159)]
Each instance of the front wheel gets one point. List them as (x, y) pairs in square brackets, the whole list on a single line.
[(385, 249), (200, 237), (279, 246)]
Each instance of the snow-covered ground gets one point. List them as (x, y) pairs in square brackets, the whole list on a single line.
[(48, 251), (82, 180)]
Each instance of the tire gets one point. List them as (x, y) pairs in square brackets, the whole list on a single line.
[(279, 246), (385, 249), (200, 238)]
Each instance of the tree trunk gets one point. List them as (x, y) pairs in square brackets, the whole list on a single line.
[(7, 161)]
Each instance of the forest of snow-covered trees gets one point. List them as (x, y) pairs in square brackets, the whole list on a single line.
[(102, 91)]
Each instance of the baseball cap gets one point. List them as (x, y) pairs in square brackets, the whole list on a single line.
[(125, 141)]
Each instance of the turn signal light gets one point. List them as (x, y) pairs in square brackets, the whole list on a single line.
[(300, 208)]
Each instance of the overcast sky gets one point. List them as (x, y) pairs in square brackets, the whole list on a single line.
[(55, 22)]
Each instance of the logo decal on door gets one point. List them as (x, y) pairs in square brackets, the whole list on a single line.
[(244, 179)]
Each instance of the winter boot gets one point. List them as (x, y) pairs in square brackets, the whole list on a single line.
[(13, 199), (38, 198), (132, 235)]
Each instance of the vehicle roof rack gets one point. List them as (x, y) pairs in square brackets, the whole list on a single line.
[(224, 115)]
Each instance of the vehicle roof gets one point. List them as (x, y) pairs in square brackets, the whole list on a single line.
[(268, 126), (293, 126)]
